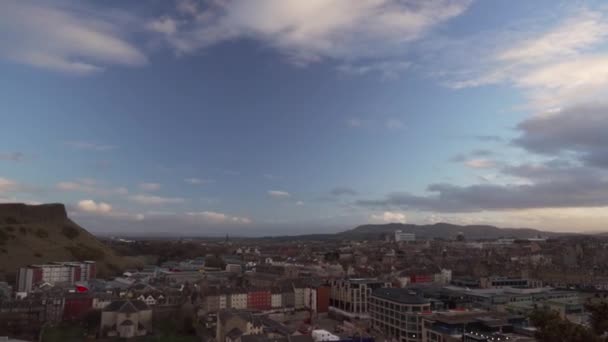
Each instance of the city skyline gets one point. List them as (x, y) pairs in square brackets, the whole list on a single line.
[(291, 117)]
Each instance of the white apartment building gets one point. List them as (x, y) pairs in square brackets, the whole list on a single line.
[(406, 237)]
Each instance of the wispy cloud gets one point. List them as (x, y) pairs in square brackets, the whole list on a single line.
[(89, 146), (149, 186), (368, 35), (278, 194), (91, 186), (480, 163), (63, 38), (389, 70), (219, 218), (198, 181), (556, 67), (343, 191), (155, 200), (389, 217), (12, 156), (8, 184)]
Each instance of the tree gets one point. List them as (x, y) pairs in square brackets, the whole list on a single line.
[(599, 317), (552, 328)]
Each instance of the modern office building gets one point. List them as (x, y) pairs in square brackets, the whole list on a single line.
[(349, 297), (500, 282), (398, 313)]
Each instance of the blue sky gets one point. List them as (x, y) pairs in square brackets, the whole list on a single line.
[(281, 117)]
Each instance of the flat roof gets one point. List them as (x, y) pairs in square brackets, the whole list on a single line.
[(403, 296)]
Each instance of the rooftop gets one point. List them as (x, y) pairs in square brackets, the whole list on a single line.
[(403, 296)]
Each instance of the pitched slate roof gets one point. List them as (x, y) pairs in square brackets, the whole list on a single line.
[(127, 306)]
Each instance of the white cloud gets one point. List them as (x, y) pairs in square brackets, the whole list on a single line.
[(91, 206), (63, 38), (299, 203), (7, 184), (569, 38), (155, 200), (368, 31), (388, 69), (389, 217), (278, 194), (480, 163), (568, 83), (163, 25), (557, 68), (197, 181), (92, 187), (217, 217), (149, 186), (89, 146)]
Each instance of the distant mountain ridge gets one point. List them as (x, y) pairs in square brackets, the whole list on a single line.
[(443, 230), (427, 231)]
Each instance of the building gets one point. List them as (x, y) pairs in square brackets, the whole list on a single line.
[(398, 313), (55, 273), (500, 282), (404, 237), (310, 298), (276, 298), (323, 293), (299, 297), (77, 305), (126, 319), (233, 324), (237, 300), (23, 318), (349, 297), (259, 300), (234, 268), (473, 326), (501, 298)]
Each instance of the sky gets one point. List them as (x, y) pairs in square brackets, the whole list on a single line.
[(272, 117)]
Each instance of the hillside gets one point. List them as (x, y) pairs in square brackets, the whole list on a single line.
[(442, 230), (31, 234)]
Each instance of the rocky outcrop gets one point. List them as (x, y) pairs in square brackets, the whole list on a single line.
[(12, 213)]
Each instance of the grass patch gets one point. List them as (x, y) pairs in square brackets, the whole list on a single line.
[(11, 220), (70, 232), (82, 252), (42, 233)]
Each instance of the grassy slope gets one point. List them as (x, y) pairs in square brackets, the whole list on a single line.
[(27, 243)]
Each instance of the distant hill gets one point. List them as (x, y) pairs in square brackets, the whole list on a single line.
[(428, 231), (34, 234), (442, 230)]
